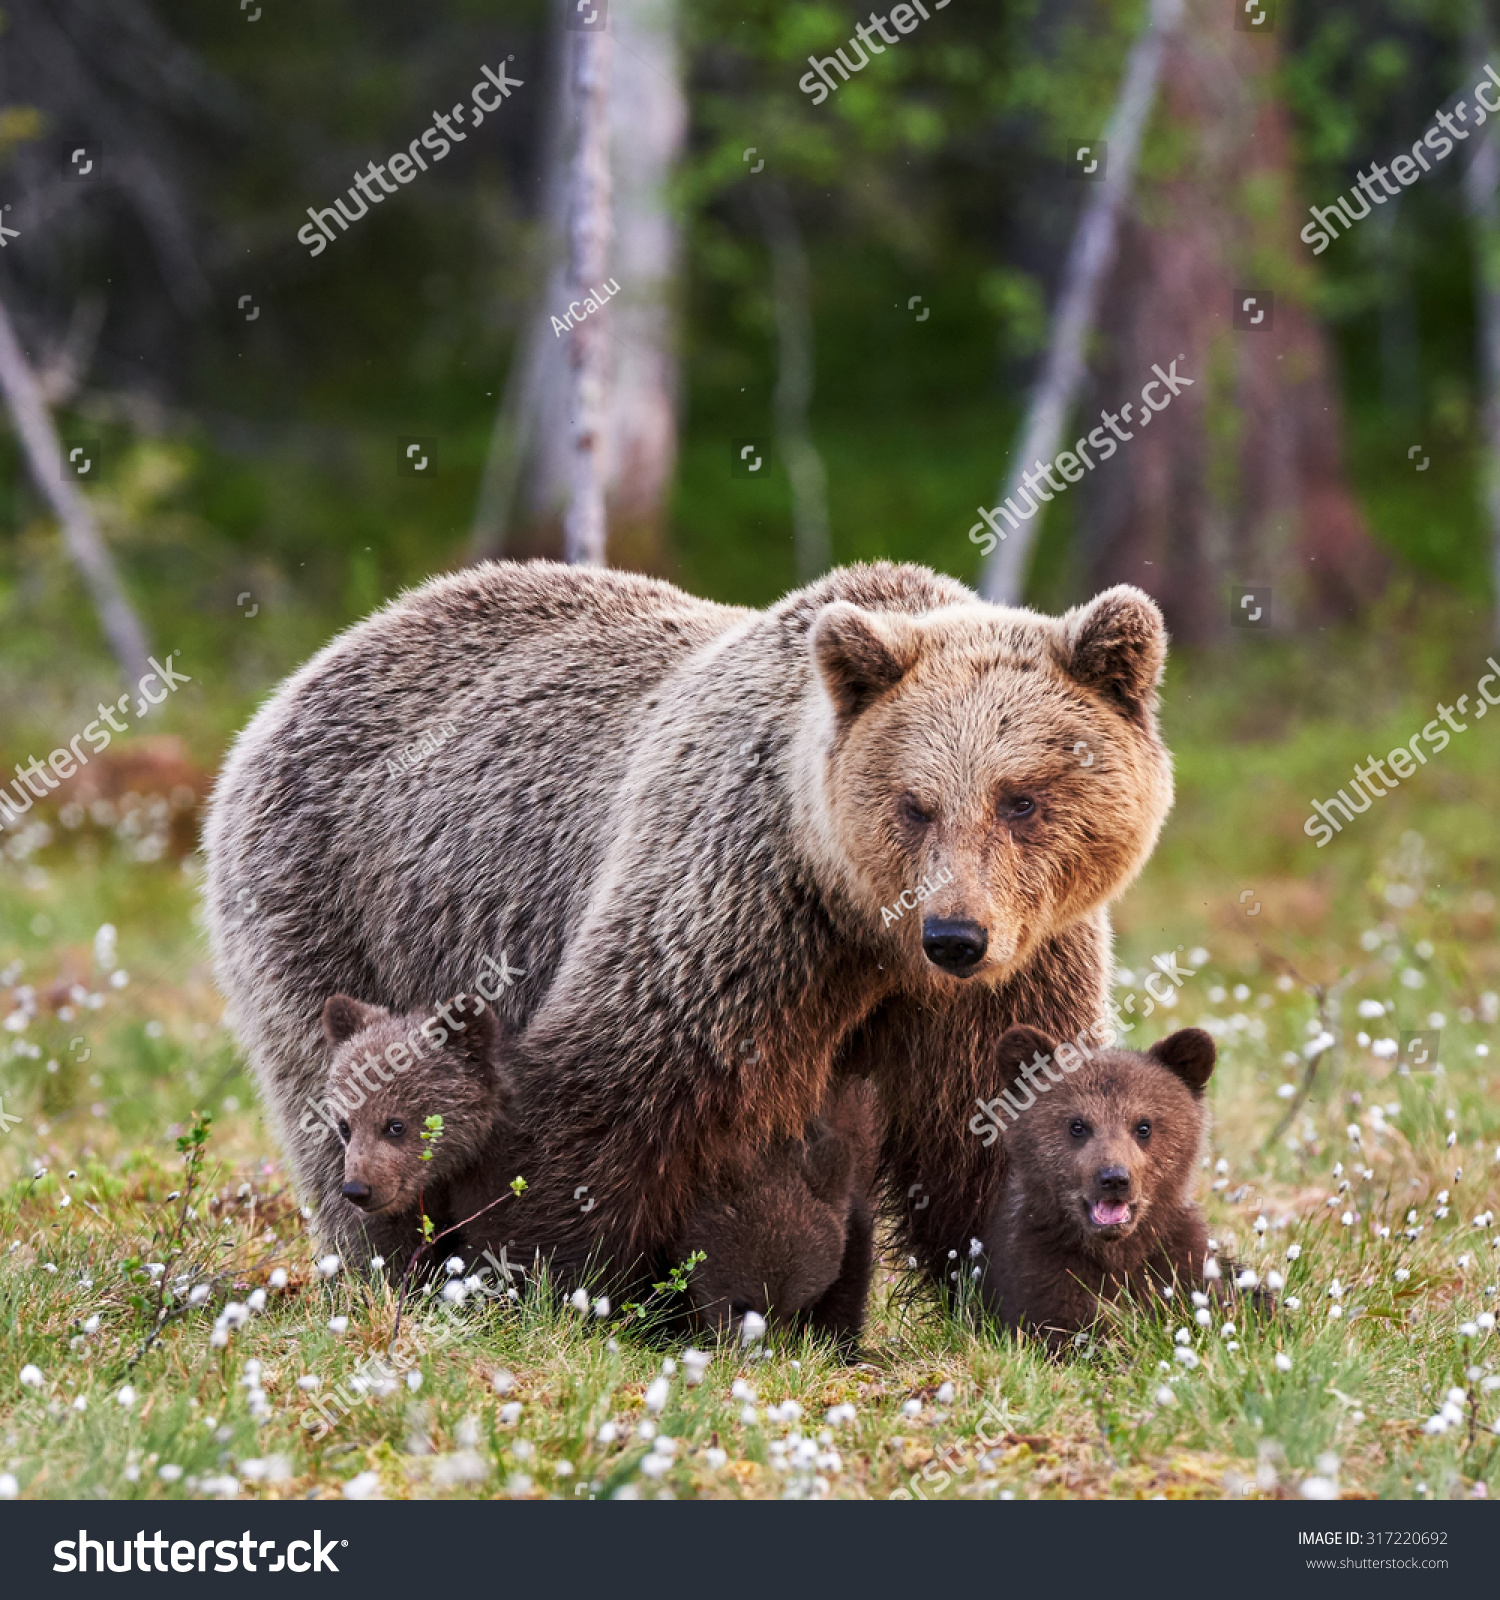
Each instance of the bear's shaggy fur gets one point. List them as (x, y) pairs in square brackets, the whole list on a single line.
[(1097, 1200), (391, 1175), (686, 828), (793, 1235)]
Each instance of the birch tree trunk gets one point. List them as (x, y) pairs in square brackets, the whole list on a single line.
[(589, 227), (650, 131), (89, 554), (1089, 260), (794, 380)]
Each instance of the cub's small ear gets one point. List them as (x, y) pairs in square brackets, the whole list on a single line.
[(860, 654), (344, 1016), (1021, 1045), (479, 1041), (827, 1163), (1118, 645), (1190, 1053)]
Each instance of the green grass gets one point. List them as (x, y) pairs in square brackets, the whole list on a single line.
[(103, 1095)]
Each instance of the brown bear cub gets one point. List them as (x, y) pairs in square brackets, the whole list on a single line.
[(1096, 1201), (791, 1235), (387, 1075)]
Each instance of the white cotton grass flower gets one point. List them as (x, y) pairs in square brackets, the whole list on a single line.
[(414, 1381), (1384, 1049), (844, 1412), (1199, 1298), (1275, 1282), (31, 1376), (741, 1390), (91, 1324), (715, 1459), (338, 1324), (502, 1381), (695, 1363), (1189, 1358), (1202, 1317), (199, 1293), (454, 1266), (256, 1300), (1293, 1251), (1261, 1224), (81, 1402), (278, 1278), (9, 1488), (1283, 1361), (454, 1292), (1370, 1009), (510, 1414), (601, 1306), (1183, 1336), (328, 1266), (608, 1433), (126, 1396), (1318, 1488), (1165, 1395), (309, 1383), (911, 1408), (1247, 1279), (579, 1300), (363, 1486), (657, 1392), (169, 1472), (749, 1416), (752, 1328), (945, 1394)]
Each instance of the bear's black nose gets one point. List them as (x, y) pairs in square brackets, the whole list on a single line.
[(359, 1193), (1112, 1180), (954, 946)]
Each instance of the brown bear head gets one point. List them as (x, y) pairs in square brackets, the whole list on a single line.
[(1113, 1146), (389, 1074), (986, 776), (773, 1232)]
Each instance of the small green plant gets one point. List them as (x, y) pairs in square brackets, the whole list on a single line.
[(432, 1131), (676, 1281)]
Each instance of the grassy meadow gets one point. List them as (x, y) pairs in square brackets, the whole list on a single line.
[(167, 1330)]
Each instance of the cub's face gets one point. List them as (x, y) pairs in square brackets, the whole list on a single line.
[(992, 775), (773, 1237), (386, 1079), (1113, 1144)]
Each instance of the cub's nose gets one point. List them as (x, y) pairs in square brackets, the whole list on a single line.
[(359, 1193), (1114, 1180), (954, 946)]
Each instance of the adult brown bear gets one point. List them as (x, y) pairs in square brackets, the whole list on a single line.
[(719, 857)]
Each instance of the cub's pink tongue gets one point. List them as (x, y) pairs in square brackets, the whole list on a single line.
[(1110, 1215)]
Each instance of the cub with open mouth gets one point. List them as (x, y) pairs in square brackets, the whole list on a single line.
[(1097, 1201)]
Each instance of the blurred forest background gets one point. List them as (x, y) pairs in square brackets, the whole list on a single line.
[(863, 287)]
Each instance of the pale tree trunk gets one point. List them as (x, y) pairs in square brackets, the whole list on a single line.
[(533, 440), (589, 227), (650, 131), (791, 293), (1240, 480), (1482, 194), (538, 356), (1089, 260), (81, 537)]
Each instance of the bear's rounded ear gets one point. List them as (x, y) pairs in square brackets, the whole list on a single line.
[(344, 1016), (827, 1164), (479, 1042), (860, 654), (1021, 1045), (1118, 645), (1190, 1054)]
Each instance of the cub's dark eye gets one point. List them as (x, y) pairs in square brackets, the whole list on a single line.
[(913, 813), (1078, 1128), (1018, 807), (395, 1127), (1143, 1130), (343, 1130)]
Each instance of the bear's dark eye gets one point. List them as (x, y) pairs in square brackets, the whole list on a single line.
[(395, 1127), (343, 1130), (1143, 1130), (914, 813), (1018, 807), (1078, 1128)]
